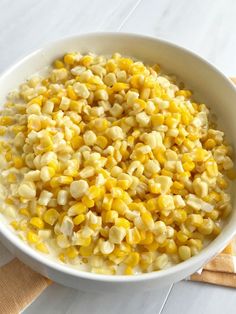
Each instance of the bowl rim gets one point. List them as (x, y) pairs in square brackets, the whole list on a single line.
[(208, 252)]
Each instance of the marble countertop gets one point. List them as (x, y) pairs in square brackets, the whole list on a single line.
[(206, 27)]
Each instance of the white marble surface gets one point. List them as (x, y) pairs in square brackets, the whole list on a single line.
[(206, 27)]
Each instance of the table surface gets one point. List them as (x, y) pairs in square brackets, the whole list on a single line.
[(206, 27)]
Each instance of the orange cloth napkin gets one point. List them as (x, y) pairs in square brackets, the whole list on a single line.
[(19, 287), (221, 270)]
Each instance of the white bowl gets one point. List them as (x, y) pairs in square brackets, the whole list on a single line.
[(212, 86)]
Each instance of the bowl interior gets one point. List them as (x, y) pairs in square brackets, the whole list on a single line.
[(209, 84)]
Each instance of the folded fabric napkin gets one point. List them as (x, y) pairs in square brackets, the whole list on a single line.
[(221, 270)]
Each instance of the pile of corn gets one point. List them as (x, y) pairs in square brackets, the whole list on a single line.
[(108, 163)]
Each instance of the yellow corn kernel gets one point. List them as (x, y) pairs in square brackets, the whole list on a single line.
[(188, 165), (32, 237), (157, 119), (100, 124), (119, 206), (133, 236), (76, 142), (123, 184), (77, 209), (71, 93), (69, 59), (178, 185), (86, 251), (185, 93), (87, 201), (171, 247), (147, 220), (102, 141), (154, 188), (109, 216), (37, 222), (165, 202), (79, 219), (195, 220), (86, 60), (184, 252), (58, 64), (133, 259), (11, 178), (122, 222), (107, 202), (173, 106), (65, 180), (42, 248), (128, 271), (51, 216), (146, 237), (24, 211), (181, 236), (6, 121), (186, 118), (15, 224), (200, 154), (18, 162), (125, 63), (62, 257), (212, 168), (71, 252), (210, 144), (151, 204), (94, 192), (117, 87)]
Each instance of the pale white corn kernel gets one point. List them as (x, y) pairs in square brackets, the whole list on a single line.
[(101, 94), (45, 234), (78, 188), (116, 171), (87, 172), (116, 110), (179, 201), (151, 167), (19, 140), (67, 226), (78, 70), (65, 103), (45, 174), (27, 190), (150, 108), (33, 175), (89, 138), (131, 97), (143, 119), (98, 70), (200, 187), (116, 234), (81, 90), (106, 247), (165, 183), (160, 262), (115, 133), (110, 79), (62, 197), (227, 163), (63, 241), (44, 197), (34, 109), (197, 203)]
